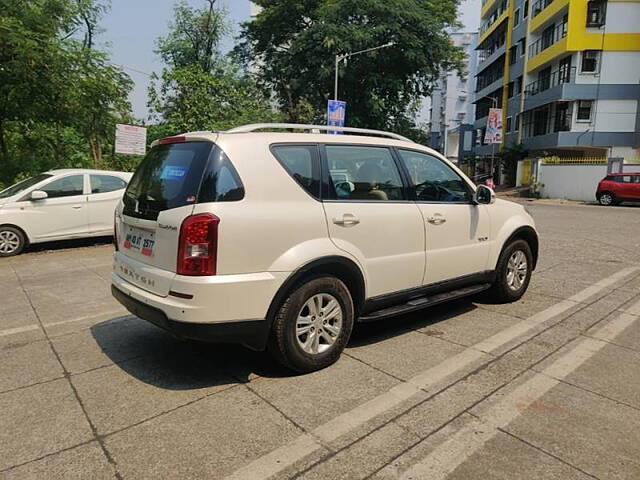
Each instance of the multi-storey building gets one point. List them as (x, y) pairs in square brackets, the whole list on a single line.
[(451, 108), (565, 72)]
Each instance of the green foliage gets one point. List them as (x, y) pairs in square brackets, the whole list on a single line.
[(294, 43), (200, 89), (59, 97)]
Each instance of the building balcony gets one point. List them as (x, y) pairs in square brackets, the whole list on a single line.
[(546, 82), (548, 39), (538, 7)]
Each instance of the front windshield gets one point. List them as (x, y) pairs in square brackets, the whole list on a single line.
[(23, 185)]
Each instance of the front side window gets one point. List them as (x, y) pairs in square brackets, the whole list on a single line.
[(363, 173), (106, 183), (433, 180), (65, 187), (300, 162)]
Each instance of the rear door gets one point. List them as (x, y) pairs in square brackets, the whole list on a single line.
[(370, 216), (105, 190), (161, 194), (63, 213)]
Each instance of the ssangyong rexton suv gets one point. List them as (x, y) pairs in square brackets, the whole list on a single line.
[(282, 241)]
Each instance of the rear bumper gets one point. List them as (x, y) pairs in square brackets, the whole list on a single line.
[(252, 333)]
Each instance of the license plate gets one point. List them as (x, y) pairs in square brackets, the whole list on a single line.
[(139, 241)]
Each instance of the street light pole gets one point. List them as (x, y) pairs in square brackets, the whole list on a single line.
[(339, 58)]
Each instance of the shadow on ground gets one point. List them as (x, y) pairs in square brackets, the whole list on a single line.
[(68, 244), (155, 357)]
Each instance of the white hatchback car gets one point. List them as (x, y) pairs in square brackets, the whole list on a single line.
[(58, 205), (284, 240)]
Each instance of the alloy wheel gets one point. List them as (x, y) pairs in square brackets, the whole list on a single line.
[(319, 323), (517, 270), (9, 242), (606, 199)]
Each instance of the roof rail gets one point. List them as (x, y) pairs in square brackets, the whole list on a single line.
[(289, 126)]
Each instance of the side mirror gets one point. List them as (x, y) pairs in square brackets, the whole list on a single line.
[(38, 195), (484, 196)]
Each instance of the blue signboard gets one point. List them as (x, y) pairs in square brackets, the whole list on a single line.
[(336, 112)]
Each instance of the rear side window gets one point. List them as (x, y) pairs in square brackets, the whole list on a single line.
[(178, 174), (300, 161), (106, 183), (65, 187)]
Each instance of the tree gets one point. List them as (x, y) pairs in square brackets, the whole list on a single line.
[(59, 96), (293, 43), (200, 88)]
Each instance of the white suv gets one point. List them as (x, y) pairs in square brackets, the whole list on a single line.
[(284, 240)]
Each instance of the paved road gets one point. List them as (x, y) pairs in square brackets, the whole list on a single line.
[(548, 387)]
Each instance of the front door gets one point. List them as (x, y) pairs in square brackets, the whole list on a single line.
[(370, 217), (63, 213), (457, 231)]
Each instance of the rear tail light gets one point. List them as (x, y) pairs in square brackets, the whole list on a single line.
[(198, 246), (167, 140)]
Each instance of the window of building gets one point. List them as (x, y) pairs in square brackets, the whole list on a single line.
[(519, 81), (509, 122), (525, 10), (363, 173), (523, 45), (511, 88), (595, 13), (516, 17), (584, 110), (590, 61), (106, 183), (513, 55), (517, 128)]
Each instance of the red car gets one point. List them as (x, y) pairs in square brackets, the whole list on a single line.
[(616, 188)]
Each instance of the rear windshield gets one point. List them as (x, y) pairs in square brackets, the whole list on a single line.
[(179, 174)]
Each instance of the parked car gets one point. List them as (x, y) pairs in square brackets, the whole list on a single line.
[(57, 205), (284, 240), (616, 188)]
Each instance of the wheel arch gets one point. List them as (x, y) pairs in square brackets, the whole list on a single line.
[(342, 268), (529, 235)]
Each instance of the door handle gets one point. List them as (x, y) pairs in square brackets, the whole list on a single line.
[(347, 220), (76, 207), (436, 220)]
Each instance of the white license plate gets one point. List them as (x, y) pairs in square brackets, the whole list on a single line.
[(139, 241)]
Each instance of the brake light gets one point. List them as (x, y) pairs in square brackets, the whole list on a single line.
[(166, 140), (198, 246)]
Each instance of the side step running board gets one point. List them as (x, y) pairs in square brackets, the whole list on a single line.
[(423, 302)]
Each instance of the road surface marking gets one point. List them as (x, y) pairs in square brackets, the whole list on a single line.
[(283, 457), (468, 440), (30, 328)]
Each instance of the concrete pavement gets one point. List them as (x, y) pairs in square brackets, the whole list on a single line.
[(548, 387)]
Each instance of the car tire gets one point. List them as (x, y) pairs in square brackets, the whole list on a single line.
[(607, 199), (12, 241), (513, 272), (313, 325)]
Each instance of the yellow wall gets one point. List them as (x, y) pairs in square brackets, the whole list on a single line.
[(578, 38)]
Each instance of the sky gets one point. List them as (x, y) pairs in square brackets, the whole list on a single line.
[(132, 26)]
